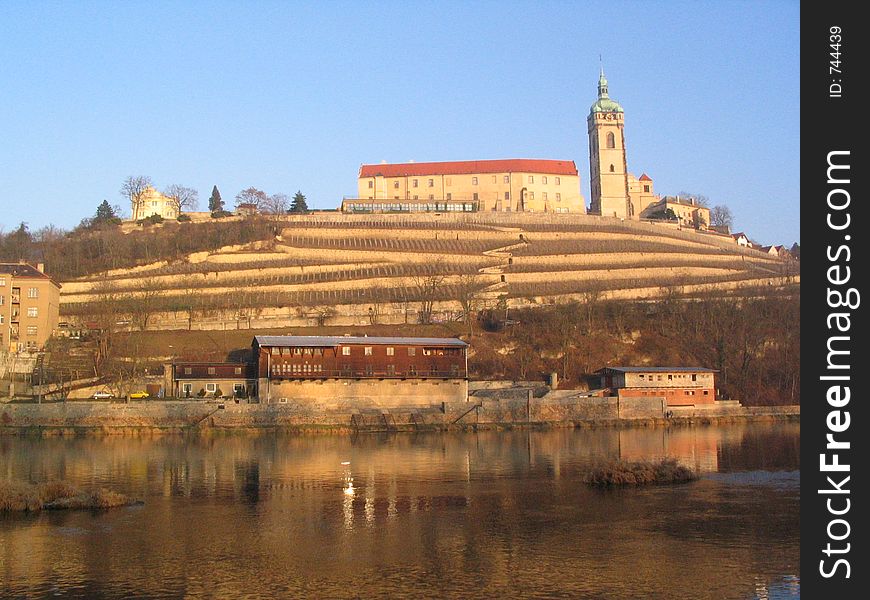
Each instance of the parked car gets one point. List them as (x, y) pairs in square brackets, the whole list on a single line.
[(102, 395), (140, 395)]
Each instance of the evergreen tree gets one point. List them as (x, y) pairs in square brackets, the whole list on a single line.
[(299, 205), (106, 214), (215, 204)]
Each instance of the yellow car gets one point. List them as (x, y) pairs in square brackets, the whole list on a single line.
[(136, 395)]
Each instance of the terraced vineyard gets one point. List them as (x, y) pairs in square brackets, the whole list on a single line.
[(362, 269)]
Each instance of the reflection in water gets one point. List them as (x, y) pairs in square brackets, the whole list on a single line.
[(462, 515)]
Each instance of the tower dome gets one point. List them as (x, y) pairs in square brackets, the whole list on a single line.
[(604, 103)]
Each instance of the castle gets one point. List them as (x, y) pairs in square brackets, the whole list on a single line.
[(528, 185)]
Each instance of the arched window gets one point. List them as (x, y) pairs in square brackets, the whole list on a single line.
[(611, 140), (611, 168)]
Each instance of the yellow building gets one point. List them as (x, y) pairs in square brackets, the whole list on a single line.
[(29, 301), (510, 185), (153, 202), (687, 211)]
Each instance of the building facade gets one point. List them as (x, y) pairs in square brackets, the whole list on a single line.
[(152, 202), (29, 302), (361, 371), (687, 211), (679, 386), (512, 185), (210, 380)]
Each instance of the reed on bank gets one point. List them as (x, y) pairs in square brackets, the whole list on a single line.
[(622, 473), (16, 496)]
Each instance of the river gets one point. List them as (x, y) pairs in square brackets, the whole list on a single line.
[(463, 515)]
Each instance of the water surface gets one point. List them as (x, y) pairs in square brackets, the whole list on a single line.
[(472, 515)]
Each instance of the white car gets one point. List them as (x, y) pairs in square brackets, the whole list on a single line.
[(102, 396)]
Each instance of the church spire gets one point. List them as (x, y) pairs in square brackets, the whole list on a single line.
[(602, 85)]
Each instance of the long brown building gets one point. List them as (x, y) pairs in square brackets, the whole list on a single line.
[(378, 371), (29, 301)]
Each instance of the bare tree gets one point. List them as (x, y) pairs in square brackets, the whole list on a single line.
[(134, 189), (182, 198), (720, 216), (143, 302), (467, 287), (276, 204), (427, 288), (253, 196)]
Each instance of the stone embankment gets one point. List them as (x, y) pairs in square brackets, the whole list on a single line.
[(558, 408)]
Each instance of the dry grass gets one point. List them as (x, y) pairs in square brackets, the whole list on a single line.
[(619, 473), (27, 497)]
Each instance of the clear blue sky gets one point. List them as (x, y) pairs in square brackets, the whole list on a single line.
[(288, 96)]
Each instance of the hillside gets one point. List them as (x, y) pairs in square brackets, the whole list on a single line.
[(411, 268)]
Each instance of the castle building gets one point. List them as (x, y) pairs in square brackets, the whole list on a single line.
[(511, 185), (29, 302), (614, 191), (153, 202)]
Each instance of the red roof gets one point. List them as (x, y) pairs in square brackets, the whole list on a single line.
[(462, 167), (645, 177)]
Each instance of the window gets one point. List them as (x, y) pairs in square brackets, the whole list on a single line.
[(154, 203), (367, 351), (558, 181), (391, 351), (412, 369), (495, 178), (670, 377), (507, 195), (416, 197), (32, 292), (507, 179), (448, 181), (211, 371), (611, 140), (611, 168), (415, 182), (646, 188), (531, 179), (391, 369), (2, 282), (238, 371), (345, 351), (544, 179), (371, 184), (187, 370), (544, 196), (396, 185), (238, 389), (531, 195), (474, 181), (412, 352), (31, 330), (431, 183), (211, 387), (431, 196), (475, 198), (449, 196), (1, 318), (186, 389), (370, 370), (32, 312)]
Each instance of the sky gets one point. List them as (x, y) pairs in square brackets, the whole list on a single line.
[(288, 96)]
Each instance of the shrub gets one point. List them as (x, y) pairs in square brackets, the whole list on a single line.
[(219, 214), (182, 218), (668, 470), (218, 393)]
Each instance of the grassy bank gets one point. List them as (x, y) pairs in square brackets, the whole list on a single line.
[(622, 473), (52, 495)]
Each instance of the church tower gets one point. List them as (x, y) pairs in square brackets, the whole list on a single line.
[(608, 173)]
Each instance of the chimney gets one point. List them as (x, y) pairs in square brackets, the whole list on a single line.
[(40, 267)]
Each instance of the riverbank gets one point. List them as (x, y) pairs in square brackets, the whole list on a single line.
[(162, 417)]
